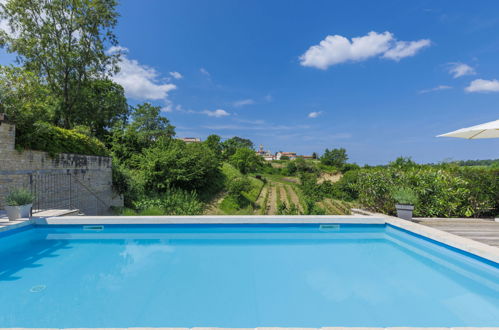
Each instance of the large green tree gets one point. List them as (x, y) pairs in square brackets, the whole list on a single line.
[(246, 160), (335, 157), (143, 129), (230, 146), (103, 104), (24, 99), (63, 42)]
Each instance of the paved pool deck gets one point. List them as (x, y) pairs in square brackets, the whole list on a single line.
[(481, 230)]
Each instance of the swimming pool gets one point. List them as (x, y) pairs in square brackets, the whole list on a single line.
[(240, 275)]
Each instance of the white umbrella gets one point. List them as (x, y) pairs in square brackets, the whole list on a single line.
[(483, 131)]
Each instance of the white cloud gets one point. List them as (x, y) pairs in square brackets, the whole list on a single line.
[(176, 75), (435, 89), (335, 49), (484, 86), (117, 49), (244, 102), (405, 49), (140, 82), (204, 71), (216, 113), (314, 114), (460, 69)]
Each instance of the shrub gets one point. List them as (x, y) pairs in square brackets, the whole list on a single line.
[(442, 191), (173, 163), (19, 197), (55, 140), (172, 202), (405, 196)]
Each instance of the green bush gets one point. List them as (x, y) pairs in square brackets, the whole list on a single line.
[(405, 196), (18, 197), (442, 191), (172, 202), (55, 140), (173, 163)]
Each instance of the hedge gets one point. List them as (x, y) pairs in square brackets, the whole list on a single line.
[(55, 140), (443, 191)]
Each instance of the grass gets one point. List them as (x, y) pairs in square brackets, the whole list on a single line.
[(230, 205)]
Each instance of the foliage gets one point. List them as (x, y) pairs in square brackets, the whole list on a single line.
[(145, 128), (18, 197), (405, 196), (243, 191), (55, 140), (171, 202), (284, 209), (63, 43), (101, 106), (246, 160), (24, 99), (173, 163), (334, 157), (213, 142), (230, 146), (442, 191)]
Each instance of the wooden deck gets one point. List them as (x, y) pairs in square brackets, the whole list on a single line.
[(481, 230)]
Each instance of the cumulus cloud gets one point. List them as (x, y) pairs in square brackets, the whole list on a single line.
[(216, 113), (460, 69), (435, 89), (335, 49), (314, 114), (176, 75), (405, 49), (244, 102), (483, 86), (140, 81)]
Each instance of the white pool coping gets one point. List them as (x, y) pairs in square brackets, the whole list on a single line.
[(270, 328)]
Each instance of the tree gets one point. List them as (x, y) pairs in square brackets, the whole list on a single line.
[(246, 160), (63, 42), (213, 142), (24, 99), (102, 105), (230, 146), (335, 157), (175, 164), (146, 127)]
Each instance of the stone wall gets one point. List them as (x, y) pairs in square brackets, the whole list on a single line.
[(61, 182)]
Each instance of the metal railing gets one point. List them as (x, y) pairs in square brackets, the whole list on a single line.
[(64, 190)]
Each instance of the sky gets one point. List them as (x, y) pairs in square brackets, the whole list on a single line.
[(378, 78)]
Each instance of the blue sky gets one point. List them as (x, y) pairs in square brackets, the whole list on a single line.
[(379, 78)]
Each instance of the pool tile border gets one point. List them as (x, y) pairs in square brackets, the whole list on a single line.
[(269, 328), (464, 244), (461, 243)]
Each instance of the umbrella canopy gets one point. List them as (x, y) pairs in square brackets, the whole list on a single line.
[(483, 131)]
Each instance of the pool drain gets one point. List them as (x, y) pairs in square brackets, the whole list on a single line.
[(38, 288)]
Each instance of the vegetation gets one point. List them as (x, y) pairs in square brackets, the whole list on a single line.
[(62, 99), (405, 196), (54, 140), (442, 190), (63, 44), (19, 197)]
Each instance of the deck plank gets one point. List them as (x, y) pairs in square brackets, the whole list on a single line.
[(482, 230)]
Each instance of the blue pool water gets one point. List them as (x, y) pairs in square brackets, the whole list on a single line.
[(240, 276)]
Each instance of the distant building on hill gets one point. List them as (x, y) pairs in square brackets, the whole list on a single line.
[(190, 139), (267, 155), (290, 155)]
